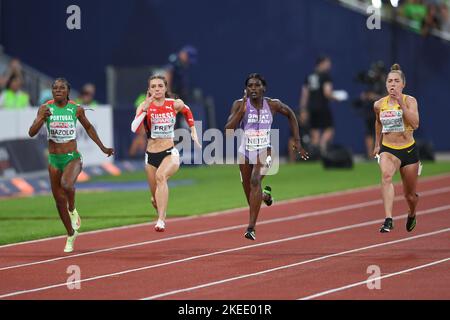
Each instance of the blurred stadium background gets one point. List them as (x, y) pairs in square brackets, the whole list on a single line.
[(121, 43)]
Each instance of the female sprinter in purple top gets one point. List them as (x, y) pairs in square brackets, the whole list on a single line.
[(254, 114)]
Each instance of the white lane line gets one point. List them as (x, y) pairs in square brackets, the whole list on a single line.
[(320, 294), (201, 233), (210, 284), (230, 211), (429, 211)]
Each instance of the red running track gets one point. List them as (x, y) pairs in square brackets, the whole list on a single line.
[(311, 248)]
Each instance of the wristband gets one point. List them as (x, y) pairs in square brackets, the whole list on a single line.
[(186, 111)]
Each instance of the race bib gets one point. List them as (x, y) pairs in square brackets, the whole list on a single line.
[(257, 139), (392, 121), (163, 128), (62, 131)]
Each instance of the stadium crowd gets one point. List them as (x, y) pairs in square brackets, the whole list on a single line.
[(423, 16)]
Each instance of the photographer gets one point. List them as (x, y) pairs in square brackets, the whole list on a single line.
[(374, 79), (315, 111)]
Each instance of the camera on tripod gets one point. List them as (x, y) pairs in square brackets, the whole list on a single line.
[(373, 75), (374, 79)]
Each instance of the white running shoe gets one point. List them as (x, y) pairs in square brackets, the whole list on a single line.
[(160, 226), (70, 241), (75, 219)]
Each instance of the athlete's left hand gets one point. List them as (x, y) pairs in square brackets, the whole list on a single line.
[(302, 152), (108, 151), (195, 137), (268, 162)]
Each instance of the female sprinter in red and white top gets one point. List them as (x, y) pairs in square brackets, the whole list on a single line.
[(158, 114)]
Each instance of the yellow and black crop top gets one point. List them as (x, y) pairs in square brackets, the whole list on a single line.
[(391, 117)]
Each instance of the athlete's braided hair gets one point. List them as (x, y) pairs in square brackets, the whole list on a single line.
[(256, 76)]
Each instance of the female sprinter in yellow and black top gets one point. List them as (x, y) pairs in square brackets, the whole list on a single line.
[(397, 117), (60, 117)]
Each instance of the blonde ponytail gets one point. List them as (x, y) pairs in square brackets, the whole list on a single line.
[(397, 69)]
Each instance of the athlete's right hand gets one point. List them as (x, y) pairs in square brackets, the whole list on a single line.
[(148, 100), (108, 151), (376, 151), (195, 137), (44, 113), (244, 101)]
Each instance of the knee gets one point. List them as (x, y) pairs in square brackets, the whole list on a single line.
[(386, 178), (410, 197), (68, 187), (161, 178), (255, 182)]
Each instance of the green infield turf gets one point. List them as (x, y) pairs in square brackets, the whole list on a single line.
[(214, 188)]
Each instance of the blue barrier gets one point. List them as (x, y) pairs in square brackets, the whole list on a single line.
[(279, 39)]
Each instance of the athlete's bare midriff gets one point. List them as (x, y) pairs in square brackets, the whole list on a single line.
[(158, 145), (398, 139), (62, 148)]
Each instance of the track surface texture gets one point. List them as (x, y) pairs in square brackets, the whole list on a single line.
[(319, 247)]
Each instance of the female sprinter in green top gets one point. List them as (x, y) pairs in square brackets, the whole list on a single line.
[(60, 118)]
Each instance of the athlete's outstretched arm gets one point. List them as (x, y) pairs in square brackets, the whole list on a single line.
[(91, 131), (42, 115), (282, 108), (189, 117)]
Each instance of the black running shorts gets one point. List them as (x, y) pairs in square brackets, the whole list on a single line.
[(407, 156), (155, 159)]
